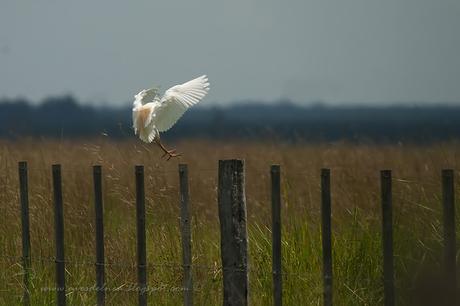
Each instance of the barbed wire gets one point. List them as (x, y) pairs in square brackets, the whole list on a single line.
[(285, 169), (214, 269), (171, 265)]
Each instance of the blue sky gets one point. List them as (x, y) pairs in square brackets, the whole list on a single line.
[(355, 51)]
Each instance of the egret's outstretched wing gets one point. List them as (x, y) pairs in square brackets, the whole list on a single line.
[(178, 99), (147, 95)]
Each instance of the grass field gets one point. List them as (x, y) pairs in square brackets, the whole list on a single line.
[(356, 222)]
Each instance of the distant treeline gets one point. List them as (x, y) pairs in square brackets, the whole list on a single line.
[(64, 117)]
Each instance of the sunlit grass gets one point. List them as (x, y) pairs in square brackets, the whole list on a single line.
[(356, 219)]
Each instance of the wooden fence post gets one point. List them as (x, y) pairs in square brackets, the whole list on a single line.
[(24, 201), (186, 235), (276, 235), (234, 242), (99, 216), (141, 245), (59, 233), (387, 238), (449, 234), (326, 235)]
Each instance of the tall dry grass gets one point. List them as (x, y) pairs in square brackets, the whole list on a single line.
[(356, 218)]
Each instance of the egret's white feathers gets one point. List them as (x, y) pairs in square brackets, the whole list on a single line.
[(147, 95), (152, 115), (135, 121), (178, 99), (142, 116)]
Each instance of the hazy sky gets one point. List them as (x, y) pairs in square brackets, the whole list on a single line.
[(365, 51)]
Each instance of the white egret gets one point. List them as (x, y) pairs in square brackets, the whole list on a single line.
[(152, 114)]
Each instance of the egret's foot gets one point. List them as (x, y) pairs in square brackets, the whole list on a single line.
[(170, 154)]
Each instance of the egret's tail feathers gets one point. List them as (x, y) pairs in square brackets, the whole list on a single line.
[(148, 134), (148, 138)]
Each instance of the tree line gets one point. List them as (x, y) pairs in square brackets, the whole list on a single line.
[(65, 117)]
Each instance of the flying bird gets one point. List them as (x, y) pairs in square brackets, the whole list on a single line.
[(152, 114)]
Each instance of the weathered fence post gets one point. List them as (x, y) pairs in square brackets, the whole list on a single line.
[(234, 242), (186, 235), (24, 200), (100, 261), (449, 234), (387, 238), (326, 235), (59, 233), (276, 235), (141, 246)]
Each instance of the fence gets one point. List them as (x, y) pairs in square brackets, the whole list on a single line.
[(234, 242)]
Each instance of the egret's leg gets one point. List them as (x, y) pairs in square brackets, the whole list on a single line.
[(170, 153)]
